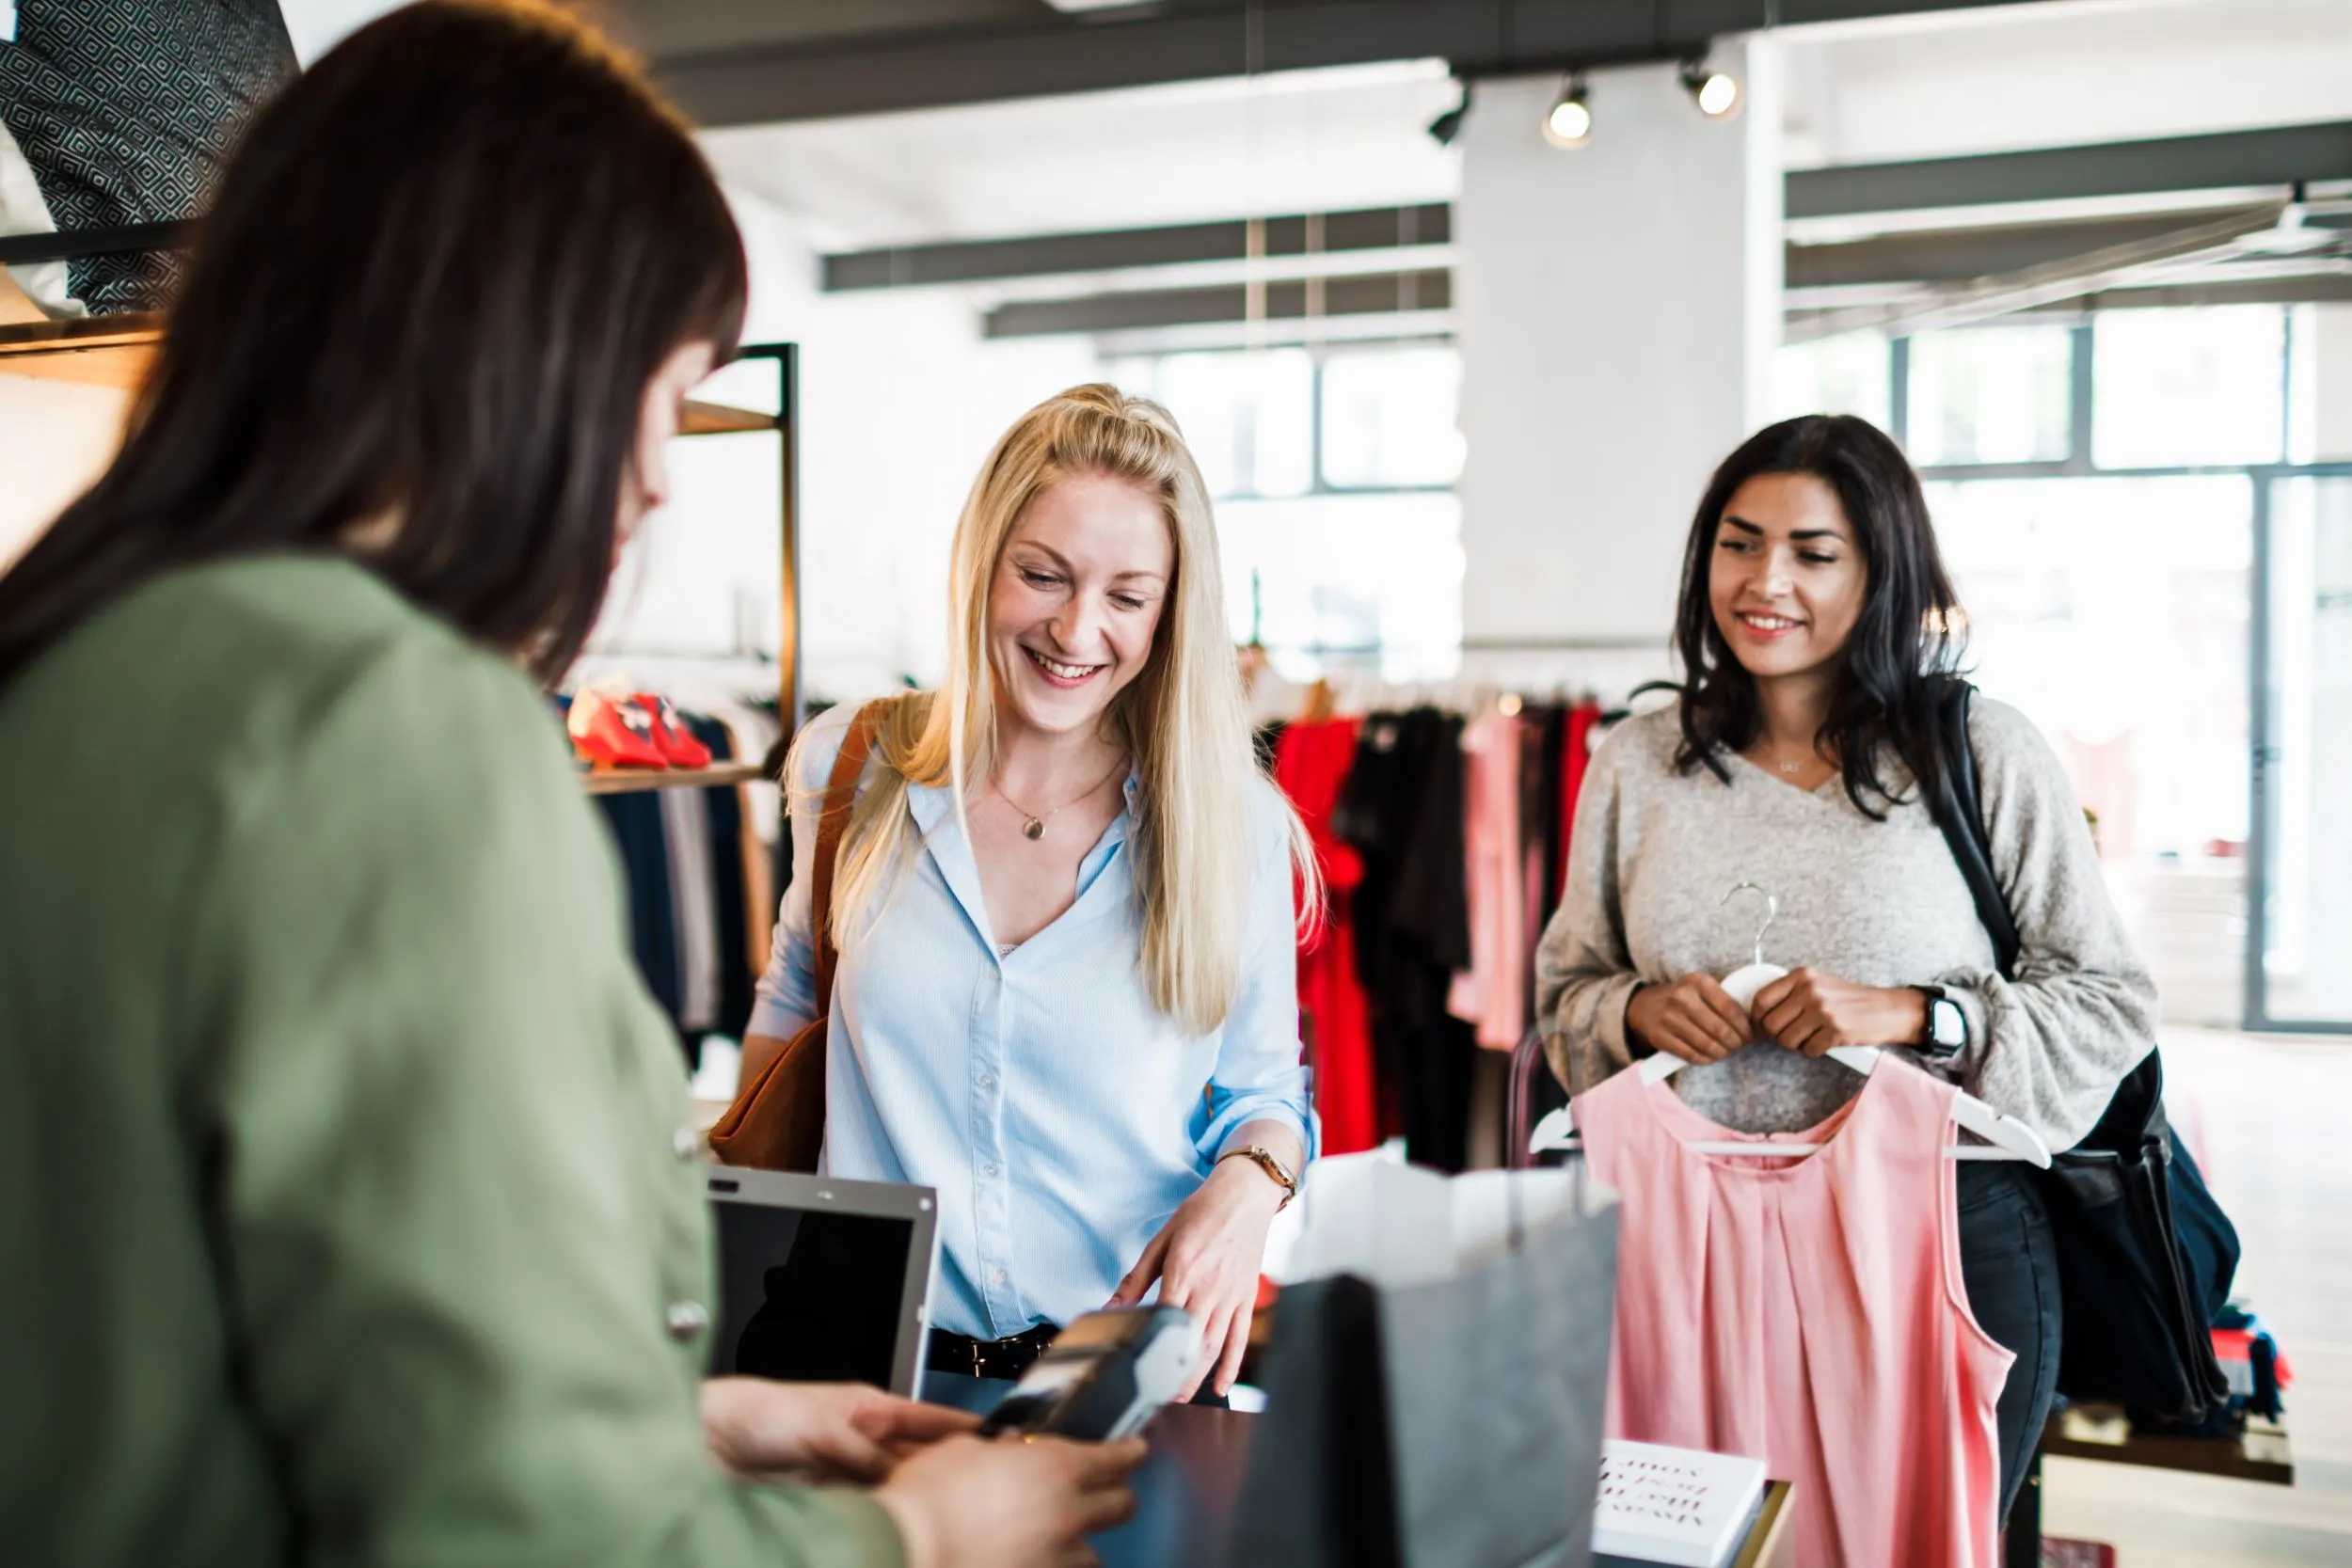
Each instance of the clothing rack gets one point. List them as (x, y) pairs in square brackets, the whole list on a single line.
[(1659, 643)]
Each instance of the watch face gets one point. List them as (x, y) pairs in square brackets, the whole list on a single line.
[(1946, 1025)]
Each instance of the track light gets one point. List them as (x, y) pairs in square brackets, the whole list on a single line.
[(1448, 125), (1716, 92), (1569, 123)]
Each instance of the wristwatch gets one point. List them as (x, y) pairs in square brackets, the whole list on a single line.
[(1263, 1159), (1948, 1026)]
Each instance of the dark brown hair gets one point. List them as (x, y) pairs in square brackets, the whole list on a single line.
[(437, 277), (1904, 654)]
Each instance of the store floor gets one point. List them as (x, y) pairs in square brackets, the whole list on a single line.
[(2270, 1116)]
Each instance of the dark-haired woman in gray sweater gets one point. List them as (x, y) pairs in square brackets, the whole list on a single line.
[(1817, 630)]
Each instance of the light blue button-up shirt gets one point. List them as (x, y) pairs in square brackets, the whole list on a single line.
[(1059, 1114)]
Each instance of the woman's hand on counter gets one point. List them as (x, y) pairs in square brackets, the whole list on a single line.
[(1694, 1018), (1807, 1010), (1206, 1258), (819, 1431), (1011, 1503)]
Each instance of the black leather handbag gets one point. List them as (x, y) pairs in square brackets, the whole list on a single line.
[(2145, 1253)]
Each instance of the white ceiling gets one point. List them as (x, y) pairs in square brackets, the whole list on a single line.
[(1303, 141), (2057, 73)]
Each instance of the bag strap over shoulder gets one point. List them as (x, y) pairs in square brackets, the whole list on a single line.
[(832, 821), (1959, 813)]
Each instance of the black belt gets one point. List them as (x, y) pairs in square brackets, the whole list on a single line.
[(999, 1358)]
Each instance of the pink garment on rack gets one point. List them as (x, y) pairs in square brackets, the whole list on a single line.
[(1808, 1313), (1492, 993)]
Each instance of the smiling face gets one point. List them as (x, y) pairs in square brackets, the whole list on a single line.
[(1786, 580), (1075, 601)]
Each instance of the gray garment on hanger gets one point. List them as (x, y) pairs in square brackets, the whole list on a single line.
[(686, 833), (1654, 850)]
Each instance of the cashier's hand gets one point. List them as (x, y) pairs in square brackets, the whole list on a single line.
[(1807, 1010), (1206, 1258), (970, 1502), (819, 1431)]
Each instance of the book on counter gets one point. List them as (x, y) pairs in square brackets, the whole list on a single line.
[(1677, 1506)]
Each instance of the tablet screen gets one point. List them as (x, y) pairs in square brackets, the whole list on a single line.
[(809, 1295)]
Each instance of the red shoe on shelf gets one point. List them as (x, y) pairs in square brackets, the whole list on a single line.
[(678, 746), (613, 732)]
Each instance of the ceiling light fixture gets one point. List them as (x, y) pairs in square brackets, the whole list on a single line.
[(1716, 92), (1570, 121)]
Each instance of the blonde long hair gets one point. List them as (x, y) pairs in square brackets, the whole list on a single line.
[(1183, 720)]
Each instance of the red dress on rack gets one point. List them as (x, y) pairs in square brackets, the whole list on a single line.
[(1311, 763)]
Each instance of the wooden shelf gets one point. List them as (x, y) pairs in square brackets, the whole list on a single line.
[(115, 351), (2257, 1451), (717, 418), (99, 351), (628, 780)]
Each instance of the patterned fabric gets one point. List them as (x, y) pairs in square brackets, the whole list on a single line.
[(124, 109)]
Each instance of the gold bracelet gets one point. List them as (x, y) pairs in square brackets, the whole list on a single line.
[(1265, 1159)]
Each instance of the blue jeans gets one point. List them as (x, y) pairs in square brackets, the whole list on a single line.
[(2009, 1261)]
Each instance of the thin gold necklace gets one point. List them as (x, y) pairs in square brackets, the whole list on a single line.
[(1032, 825)]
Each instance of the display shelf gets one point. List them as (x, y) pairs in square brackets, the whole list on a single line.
[(717, 418), (115, 351), (627, 781), (2256, 1452), (94, 351)]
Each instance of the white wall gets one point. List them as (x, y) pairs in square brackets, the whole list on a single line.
[(317, 25), (1618, 305), (901, 400), (55, 438)]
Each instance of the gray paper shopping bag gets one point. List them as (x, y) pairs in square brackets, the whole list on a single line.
[(1442, 1407)]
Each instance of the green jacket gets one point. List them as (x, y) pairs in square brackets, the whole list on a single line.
[(341, 1215)]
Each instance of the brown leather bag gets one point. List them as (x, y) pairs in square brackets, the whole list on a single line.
[(778, 1121)]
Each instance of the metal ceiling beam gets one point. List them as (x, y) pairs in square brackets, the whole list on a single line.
[(2071, 278), (927, 68), (1048, 255), (1961, 255), (2310, 288), (2223, 160), (1369, 294)]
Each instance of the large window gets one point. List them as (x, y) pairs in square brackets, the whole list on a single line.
[(1996, 394), (1333, 472), (2106, 491), (2177, 388), (1848, 375), (2113, 612)]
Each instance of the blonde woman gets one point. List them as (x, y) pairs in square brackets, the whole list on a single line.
[(1066, 997)]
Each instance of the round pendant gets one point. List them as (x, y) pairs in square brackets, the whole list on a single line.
[(1033, 829)]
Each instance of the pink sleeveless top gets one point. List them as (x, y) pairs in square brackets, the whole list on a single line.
[(1808, 1313)]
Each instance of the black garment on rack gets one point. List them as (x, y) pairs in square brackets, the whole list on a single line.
[(723, 806), (1551, 779), (635, 819), (1402, 812), (1265, 740)]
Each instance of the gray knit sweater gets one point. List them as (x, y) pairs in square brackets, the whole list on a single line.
[(1879, 903)]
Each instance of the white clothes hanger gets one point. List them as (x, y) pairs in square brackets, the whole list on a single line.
[(2009, 1138)]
